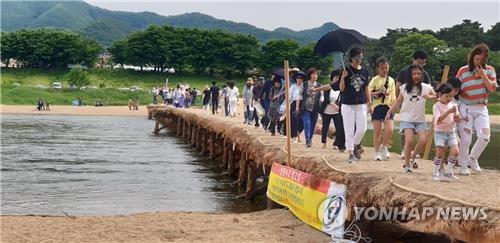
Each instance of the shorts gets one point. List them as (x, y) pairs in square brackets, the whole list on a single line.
[(380, 112), (416, 126), (443, 139)]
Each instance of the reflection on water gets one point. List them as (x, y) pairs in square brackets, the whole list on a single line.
[(105, 166), (488, 160)]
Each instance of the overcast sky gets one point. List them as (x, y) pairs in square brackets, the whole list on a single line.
[(372, 18)]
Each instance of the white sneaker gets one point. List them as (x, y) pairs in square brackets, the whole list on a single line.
[(449, 175), (414, 163), (474, 165), (377, 157), (385, 153), (407, 170), (464, 171), (436, 177)]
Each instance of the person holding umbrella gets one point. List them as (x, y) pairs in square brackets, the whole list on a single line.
[(356, 102)]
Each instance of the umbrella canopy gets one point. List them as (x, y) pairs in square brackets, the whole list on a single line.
[(279, 72), (339, 40)]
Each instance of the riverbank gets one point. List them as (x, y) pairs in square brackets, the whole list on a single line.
[(74, 110), (263, 226)]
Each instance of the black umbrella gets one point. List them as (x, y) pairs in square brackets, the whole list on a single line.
[(279, 72), (339, 40)]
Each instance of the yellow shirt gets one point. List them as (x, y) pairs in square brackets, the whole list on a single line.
[(378, 83)]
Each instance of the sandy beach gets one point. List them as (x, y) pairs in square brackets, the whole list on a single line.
[(266, 226), (75, 110)]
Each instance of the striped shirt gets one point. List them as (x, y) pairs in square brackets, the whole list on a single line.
[(473, 90)]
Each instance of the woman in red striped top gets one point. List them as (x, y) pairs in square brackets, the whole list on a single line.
[(478, 80)]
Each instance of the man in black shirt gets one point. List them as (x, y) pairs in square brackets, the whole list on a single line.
[(404, 76), (215, 97)]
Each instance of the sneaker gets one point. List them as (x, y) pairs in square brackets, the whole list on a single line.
[(449, 175), (414, 164), (436, 177), (352, 159), (474, 165), (407, 169), (308, 145), (360, 148), (385, 152), (356, 152), (464, 171), (378, 157)]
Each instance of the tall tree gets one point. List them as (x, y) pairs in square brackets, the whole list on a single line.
[(466, 34), (406, 46)]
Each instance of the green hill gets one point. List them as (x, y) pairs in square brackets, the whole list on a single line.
[(105, 25)]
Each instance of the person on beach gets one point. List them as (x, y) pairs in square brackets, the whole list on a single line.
[(330, 110), (154, 91), (310, 105), (445, 116), (206, 98), (276, 96), (477, 80), (356, 103), (182, 98), (47, 106), (232, 94), (404, 76), (383, 92), (248, 102), (215, 97), (412, 98)]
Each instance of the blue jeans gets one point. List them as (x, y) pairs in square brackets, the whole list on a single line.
[(310, 119)]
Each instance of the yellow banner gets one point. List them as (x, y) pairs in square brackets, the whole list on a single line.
[(319, 203)]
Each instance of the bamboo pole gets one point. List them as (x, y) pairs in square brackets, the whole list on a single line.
[(288, 117), (430, 136)]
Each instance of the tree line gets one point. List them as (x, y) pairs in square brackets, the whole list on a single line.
[(215, 52), (48, 48)]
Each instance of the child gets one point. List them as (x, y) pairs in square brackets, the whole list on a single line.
[(412, 98), (445, 116), (383, 92)]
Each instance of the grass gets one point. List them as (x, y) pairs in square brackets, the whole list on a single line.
[(28, 94)]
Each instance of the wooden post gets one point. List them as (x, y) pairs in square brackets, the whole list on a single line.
[(157, 126), (212, 145), (243, 170), (203, 142), (288, 117), (250, 180), (430, 135), (224, 153), (179, 126), (193, 136), (230, 162)]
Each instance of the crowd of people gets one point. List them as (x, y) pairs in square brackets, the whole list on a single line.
[(460, 105), (181, 97)]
